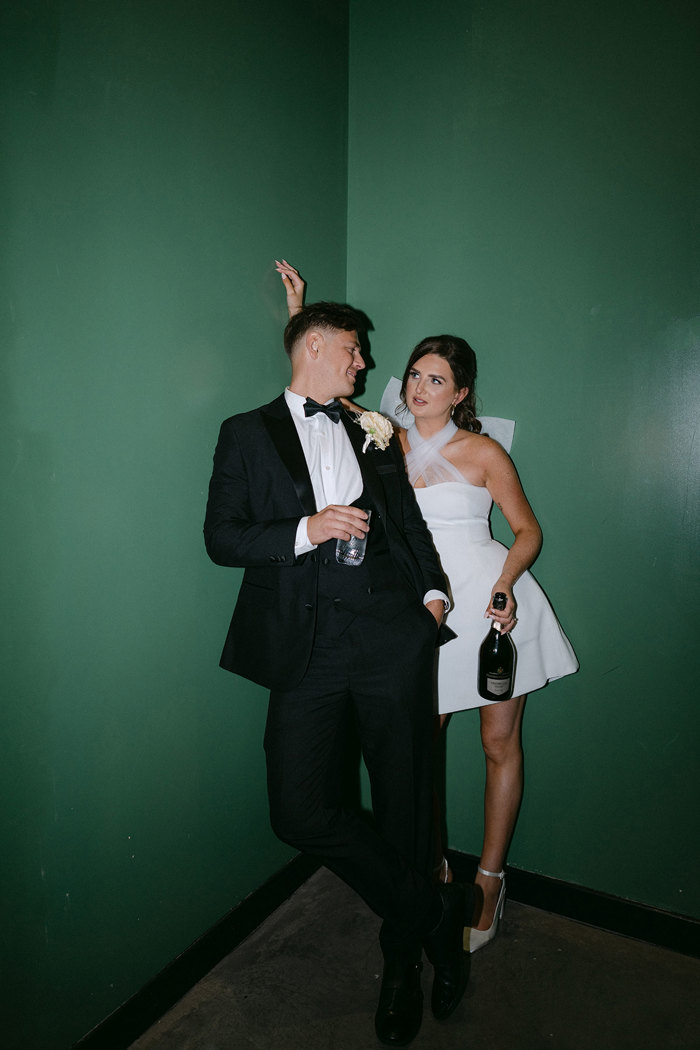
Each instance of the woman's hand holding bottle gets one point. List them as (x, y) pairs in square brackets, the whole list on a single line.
[(504, 616)]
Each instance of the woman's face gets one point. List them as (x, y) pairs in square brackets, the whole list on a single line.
[(431, 390)]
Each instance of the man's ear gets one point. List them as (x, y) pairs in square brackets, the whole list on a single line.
[(313, 341)]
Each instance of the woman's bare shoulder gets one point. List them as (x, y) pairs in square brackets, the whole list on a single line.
[(400, 433), (352, 407), (463, 443), (475, 455), (490, 446)]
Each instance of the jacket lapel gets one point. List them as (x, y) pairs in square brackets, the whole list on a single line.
[(280, 426), (366, 461)]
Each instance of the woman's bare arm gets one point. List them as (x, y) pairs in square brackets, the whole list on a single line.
[(503, 484), (294, 286)]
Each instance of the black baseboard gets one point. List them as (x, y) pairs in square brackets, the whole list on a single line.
[(136, 1015), (679, 933)]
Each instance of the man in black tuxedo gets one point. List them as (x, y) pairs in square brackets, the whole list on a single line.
[(332, 641)]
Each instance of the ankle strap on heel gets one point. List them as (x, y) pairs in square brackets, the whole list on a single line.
[(494, 874)]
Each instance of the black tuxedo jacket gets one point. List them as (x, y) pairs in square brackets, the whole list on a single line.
[(260, 488)]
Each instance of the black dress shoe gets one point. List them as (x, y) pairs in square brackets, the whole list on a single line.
[(400, 1010), (444, 948)]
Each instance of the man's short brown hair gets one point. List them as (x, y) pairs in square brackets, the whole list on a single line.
[(338, 317)]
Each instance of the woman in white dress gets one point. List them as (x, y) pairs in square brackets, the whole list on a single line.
[(458, 472)]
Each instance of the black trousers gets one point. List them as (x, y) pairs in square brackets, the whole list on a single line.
[(380, 673)]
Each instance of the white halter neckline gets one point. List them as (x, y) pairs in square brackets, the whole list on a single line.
[(424, 459)]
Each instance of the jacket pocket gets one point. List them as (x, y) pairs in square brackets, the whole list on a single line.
[(254, 590)]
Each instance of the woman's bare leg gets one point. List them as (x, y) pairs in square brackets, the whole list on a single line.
[(500, 736)]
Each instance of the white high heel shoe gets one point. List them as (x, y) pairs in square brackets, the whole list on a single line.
[(475, 939)]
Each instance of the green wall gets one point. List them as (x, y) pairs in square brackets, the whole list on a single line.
[(526, 175), (152, 168), (521, 174)]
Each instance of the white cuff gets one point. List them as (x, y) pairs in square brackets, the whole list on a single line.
[(301, 540), (433, 596)]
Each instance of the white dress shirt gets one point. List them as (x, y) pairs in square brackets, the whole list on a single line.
[(333, 468)]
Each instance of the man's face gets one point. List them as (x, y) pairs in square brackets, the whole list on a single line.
[(339, 361)]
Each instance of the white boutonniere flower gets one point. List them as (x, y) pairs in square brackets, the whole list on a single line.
[(377, 428)]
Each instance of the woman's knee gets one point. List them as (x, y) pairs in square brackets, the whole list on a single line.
[(501, 730), (500, 743)]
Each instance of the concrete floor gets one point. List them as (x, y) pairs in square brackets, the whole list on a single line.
[(308, 979)]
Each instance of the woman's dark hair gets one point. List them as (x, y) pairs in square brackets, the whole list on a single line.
[(462, 361)]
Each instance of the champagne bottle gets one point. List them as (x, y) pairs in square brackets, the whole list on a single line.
[(496, 659)]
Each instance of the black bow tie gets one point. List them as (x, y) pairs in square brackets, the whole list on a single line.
[(332, 410)]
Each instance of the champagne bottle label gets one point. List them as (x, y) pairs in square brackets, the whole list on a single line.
[(498, 686)]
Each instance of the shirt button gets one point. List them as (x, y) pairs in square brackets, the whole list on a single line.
[(336, 601), (308, 606), (325, 561), (370, 590)]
